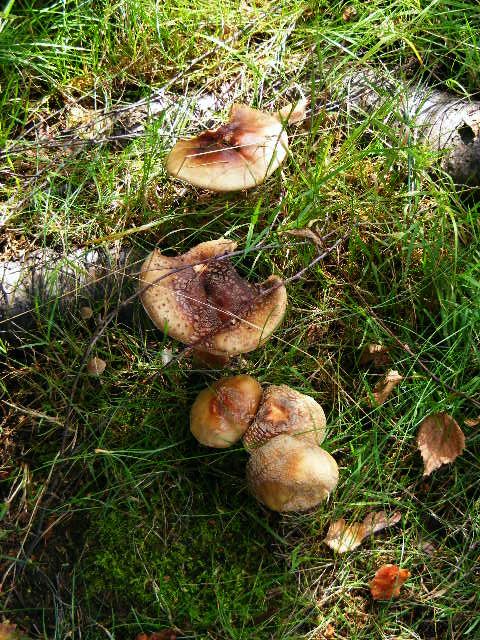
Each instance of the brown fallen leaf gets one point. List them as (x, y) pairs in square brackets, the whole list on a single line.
[(88, 123), (387, 582), (472, 422), (440, 440), (166, 634), (385, 387), (306, 233), (349, 13), (293, 113), (376, 521), (9, 631), (377, 354), (342, 537), (86, 313), (96, 366)]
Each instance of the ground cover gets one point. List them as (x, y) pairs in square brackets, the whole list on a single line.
[(141, 528)]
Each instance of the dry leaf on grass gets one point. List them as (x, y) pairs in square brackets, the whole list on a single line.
[(342, 537), (385, 387), (10, 631), (387, 582), (306, 233), (294, 113), (376, 521), (349, 13), (440, 440), (377, 354), (96, 366), (472, 422), (166, 634), (88, 123)]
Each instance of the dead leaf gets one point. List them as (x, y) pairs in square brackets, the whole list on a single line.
[(308, 234), (166, 634), (86, 313), (10, 631), (387, 582), (377, 354), (376, 521), (88, 123), (342, 537), (329, 632), (440, 440), (293, 113), (350, 13), (472, 422), (96, 366), (385, 387)]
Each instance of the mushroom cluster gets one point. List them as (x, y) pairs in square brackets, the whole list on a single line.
[(201, 300), (281, 428)]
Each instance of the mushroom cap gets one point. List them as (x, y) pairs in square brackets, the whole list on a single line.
[(238, 155), (221, 413), (285, 410), (208, 304), (289, 474)]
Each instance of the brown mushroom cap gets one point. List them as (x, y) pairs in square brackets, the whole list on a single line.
[(221, 414), (208, 304), (238, 155), (289, 474), (285, 410)]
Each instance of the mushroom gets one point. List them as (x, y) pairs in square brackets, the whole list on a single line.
[(290, 474), (201, 300), (282, 429), (285, 410), (222, 413), (240, 154)]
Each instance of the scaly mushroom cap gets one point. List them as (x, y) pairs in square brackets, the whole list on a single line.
[(205, 302), (238, 155), (288, 474), (284, 410), (221, 414)]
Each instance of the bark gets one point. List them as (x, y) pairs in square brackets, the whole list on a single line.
[(30, 286), (441, 121)]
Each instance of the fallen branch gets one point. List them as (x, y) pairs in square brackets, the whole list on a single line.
[(47, 277), (440, 120)]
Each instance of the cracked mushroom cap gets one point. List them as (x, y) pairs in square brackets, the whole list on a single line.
[(285, 410), (204, 302), (240, 154), (221, 413), (289, 474)]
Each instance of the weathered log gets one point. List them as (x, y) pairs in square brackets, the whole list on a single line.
[(440, 120), (29, 286)]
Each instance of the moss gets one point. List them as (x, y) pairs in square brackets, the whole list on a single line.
[(201, 571)]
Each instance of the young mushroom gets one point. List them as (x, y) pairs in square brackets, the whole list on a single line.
[(240, 154), (200, 299), (290, 474), (285, 410), (222, 413)]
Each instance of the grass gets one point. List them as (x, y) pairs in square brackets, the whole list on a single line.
[(147, 530)]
